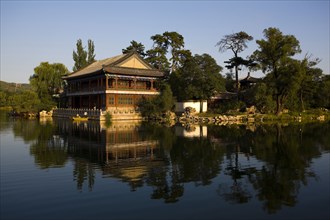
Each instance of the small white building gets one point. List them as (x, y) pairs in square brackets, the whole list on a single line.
[(198, 105)]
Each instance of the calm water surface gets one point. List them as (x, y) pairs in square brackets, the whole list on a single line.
[(63, 170)]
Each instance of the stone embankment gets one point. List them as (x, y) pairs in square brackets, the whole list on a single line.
[(246, 118), (216, 119), (249, 116)]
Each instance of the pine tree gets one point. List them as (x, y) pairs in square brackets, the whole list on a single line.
[(138, 47), (236, 43)]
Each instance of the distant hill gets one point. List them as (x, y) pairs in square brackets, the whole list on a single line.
[(14, 87)]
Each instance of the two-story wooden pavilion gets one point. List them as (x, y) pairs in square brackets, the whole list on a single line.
[(112, 84)]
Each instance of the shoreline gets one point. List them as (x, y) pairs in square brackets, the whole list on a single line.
[(313, 115)]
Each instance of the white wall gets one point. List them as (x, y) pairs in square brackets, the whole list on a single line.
[(180, 106), (194, 131)]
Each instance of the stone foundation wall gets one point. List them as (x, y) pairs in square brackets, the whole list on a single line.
[(99, 115), (128, 113)]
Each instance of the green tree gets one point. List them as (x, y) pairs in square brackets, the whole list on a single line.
[(273, 55), (165, 101), (287, 84), (47, 82), (199, 78), (310, 76), (138, 47), (160, 104), (81, 57), (321, 95), (262, 98), (90, 52), (3, 99), (26, 101), (157, 55), (175, 41), (236, 43), (172, 42)]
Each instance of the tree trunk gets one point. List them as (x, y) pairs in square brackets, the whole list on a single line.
[(237, 85), (201, 106), (302, 101), (236, 75), (278, 137), (278, 105)]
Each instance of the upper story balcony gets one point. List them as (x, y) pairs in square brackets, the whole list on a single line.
[(103, 84)]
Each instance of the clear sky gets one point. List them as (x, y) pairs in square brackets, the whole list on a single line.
[(37, 31)]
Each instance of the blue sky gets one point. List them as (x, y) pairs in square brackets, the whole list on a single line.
[(37, 31)]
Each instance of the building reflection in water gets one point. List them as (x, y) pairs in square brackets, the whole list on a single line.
[(122, 150), (191, 131)]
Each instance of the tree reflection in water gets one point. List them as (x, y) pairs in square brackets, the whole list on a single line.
[(158, 157), (286, 152)]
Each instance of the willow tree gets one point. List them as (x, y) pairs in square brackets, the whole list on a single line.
[(236, 42), (47, 82), (274, 54)]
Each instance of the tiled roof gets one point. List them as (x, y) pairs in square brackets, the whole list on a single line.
[(96, 66), (250, 79), (110, 65)]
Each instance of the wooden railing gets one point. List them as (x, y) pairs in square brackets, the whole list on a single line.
[(70, 112)]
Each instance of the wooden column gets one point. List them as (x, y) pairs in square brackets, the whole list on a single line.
[(106, 83), (98, 105), (106, 97), (152, 84)]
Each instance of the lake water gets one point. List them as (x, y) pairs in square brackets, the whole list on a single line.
[(64, 170)]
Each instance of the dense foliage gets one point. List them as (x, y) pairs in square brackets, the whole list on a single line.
[(135, 46), (27, 101), (161, 104), (167, 44), (198, 79), (47, 83), (81, 57), (8, 90), (274, 56), (291, 83)]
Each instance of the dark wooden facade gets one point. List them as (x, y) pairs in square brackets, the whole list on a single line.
[(117, 82)]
